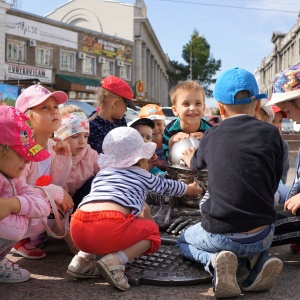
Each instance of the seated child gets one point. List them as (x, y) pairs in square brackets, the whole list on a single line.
[(188, 104), (21, 205), (243, 157), (74, 129), (115, 203)]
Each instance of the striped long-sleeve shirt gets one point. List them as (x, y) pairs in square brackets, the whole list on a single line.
[(129, 187)]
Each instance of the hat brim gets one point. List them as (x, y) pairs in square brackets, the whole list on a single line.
[(277, 109), (130, 103), (32, 152), (142, 121), (59, 96), (156, 117), (282, 97)]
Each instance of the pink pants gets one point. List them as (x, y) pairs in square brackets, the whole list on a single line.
[(103, 232)]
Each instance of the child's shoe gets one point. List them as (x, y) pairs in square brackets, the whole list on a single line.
[(112, 270), (225, 283), (263, 273), (27, 250), (80, 268), (12, 273), (295, 248)]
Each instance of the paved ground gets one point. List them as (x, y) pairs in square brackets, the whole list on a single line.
[(49, 281)]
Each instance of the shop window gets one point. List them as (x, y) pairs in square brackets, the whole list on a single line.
[(88, 65), (108, 68), (67, 60), (43, 57), (125, 72), (15, 51)]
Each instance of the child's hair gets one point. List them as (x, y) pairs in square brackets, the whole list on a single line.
[(185, 86), (142, 163), (68, 109), (3, 149)]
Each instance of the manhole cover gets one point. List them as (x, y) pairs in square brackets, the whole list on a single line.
[(166, 267)]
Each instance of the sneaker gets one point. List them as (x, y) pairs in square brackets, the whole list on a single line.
[(295, 248), (80, 268), (112, 270), (264, 271), (12, 273), (27, 250), (225, 283)]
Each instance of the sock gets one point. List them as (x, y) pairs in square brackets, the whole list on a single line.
[(123, 257), (86, 256)]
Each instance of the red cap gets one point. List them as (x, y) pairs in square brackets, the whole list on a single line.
[(120, 88), (277, 109)]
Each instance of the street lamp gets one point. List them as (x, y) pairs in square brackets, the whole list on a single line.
[(191, 54)]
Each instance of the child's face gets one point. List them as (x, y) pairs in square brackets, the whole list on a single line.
[(158, 130), (77, 142), (261, 115), (292, 109), (189, 107), (145, 131), (12, 164), (46, 116), (277, 121)]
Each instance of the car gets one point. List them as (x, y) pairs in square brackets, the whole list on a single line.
[(168, 112), (296, 127), (86, 108), (91, 102), (131, 114), (214, 120), (287, 126)]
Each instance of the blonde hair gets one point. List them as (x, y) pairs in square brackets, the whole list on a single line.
[(4, 149), (185, 86), (142, 163), (68, 109)]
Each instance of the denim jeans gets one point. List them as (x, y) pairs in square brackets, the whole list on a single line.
[(199, 245)]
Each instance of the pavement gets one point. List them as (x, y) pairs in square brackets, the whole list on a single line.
[(50, 281)]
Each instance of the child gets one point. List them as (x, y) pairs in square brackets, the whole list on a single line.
[(41, 106), (155, 113), (188, 104), (114, 95), (74, 129), (243, 157), (114, 205), (20, 205), (265, 113)]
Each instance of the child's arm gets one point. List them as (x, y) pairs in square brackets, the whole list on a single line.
[(293, 204), (61, 147), (194, 190), (197, 135), (9, 206), (187, 155)]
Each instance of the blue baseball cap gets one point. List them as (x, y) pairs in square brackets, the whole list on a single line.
[(233, 81)]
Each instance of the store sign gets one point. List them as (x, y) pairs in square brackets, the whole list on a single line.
[(40, 32), (17, 71)]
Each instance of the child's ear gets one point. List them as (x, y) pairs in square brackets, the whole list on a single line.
[(174, 110), (257, 106), (221, 108)]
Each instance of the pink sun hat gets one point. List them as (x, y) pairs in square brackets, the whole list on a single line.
[(37, 94), (18, 136)]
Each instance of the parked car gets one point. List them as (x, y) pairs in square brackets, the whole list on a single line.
[(86, 108), (169, 114), (296, 127), (287, 125), (131, 114)]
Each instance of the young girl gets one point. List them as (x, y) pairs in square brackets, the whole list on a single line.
[(114, 95), (75, 131), (41, 106), (115, 203), (20, 205)]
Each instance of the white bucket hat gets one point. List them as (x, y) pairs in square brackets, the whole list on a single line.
[(123, 147)]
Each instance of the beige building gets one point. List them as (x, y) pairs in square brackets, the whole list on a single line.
[(286, 53), (130, 22)]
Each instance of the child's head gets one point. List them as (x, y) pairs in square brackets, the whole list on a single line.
[(17, 146), (155, 113), (188, 102), (278, 116), (42, 107), (124, 147), (237, 92), (113, 97), (265, 113), (286, 92), (144, 126), (74, 129)]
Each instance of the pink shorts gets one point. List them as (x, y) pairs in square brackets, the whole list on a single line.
[(103, 232)]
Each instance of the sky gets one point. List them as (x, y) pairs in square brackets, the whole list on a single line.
[(239, 31)]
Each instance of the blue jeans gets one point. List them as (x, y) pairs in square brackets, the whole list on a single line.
[(199, 245)]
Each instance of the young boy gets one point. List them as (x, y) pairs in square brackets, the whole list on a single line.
[(243, 157), (188, 104)]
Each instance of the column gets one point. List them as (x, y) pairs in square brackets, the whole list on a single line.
[(144, 65), (138, 59)]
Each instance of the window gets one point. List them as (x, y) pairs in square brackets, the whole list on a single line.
[(125, 72), (43, 57), (108, 68), (15, 51), (67, 60), (88, 65)]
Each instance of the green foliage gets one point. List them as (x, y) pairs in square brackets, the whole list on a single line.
[(204, 65)]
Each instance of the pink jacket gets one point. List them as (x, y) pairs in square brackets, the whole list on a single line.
[(60, 169), (33, 206), (84, 166)]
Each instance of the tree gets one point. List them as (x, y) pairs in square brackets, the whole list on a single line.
[(204, 65)]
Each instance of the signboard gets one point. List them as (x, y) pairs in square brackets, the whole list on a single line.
[(40, 32), (8, 94)]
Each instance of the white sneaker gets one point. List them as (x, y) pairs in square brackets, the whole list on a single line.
[(80, 268), (12, 273)]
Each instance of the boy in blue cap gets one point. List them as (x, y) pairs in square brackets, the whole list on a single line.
[(243, 157)]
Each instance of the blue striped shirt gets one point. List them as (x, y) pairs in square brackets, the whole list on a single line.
[(129, 187)]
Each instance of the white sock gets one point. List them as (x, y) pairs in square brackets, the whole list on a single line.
[(123, 257), (86, 256)]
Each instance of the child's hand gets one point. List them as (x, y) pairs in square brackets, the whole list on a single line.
[(177, 137), (61, 147), (9, 206), (293, 204), (67, 202), (187, 155), (194, 190), (197, 135)]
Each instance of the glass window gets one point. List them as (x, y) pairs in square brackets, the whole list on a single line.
[(108, 68), (15, 51), (67, 61), (125, 72), (88, 65), (43, 57)]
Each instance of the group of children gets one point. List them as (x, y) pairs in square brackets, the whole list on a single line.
[(102, 170)]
